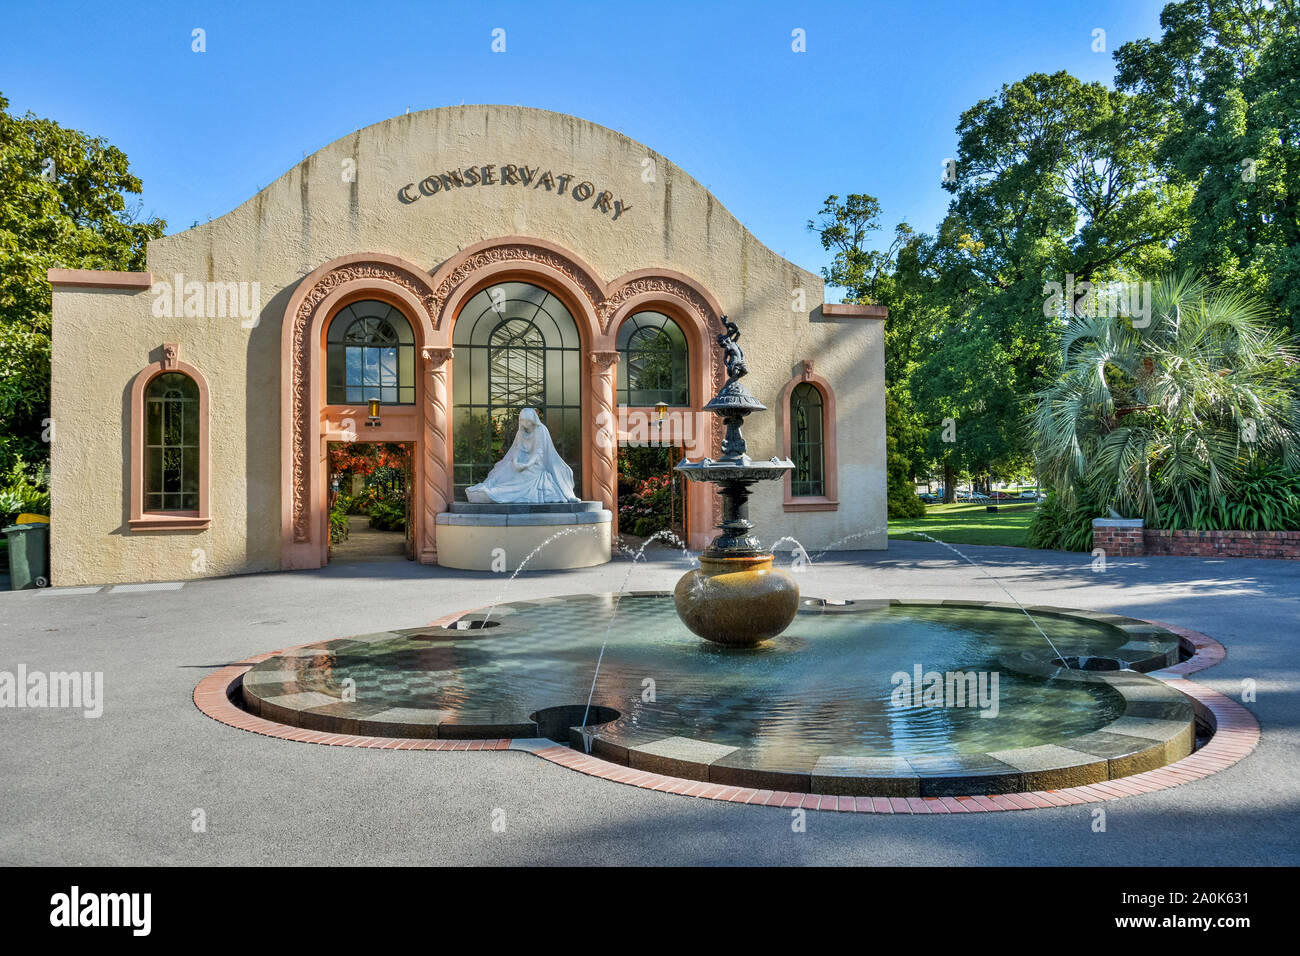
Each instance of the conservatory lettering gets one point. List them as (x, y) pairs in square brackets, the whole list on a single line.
[(525, 177)]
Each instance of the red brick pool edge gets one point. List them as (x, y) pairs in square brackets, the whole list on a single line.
[(1236, 734)]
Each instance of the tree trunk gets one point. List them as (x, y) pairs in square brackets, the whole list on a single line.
[(949, 484)]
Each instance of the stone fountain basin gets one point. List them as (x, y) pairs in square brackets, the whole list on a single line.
[(479, 537), (808, 712)]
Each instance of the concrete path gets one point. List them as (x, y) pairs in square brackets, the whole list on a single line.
[(365, 543), (124, 788)]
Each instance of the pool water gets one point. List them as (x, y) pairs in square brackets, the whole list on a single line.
[(832, 684)]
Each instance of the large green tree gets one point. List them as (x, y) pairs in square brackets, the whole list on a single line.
[(1224, 80), (883, 277), (1054, 178), (63, 204)]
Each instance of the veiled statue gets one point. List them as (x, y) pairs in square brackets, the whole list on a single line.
[(532, 471)]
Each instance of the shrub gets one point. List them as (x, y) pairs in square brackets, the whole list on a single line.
[(388, 514), (1058, 525), (11, 503), (24, 488), (338, 525), (1161, 422), (903, 503), (1266, 498), (645, 509)]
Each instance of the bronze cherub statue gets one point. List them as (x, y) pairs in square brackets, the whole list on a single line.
[(732, 356)]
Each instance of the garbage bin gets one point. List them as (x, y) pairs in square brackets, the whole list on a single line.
[(29, 556)]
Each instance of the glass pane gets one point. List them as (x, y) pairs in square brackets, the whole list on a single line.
[(387, 366), (171, 469), (153, 470), (190, 426), (355, 370), (153, 423), (190, 471), (406, 366)]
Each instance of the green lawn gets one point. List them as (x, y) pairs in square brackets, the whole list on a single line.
[(969, 523)]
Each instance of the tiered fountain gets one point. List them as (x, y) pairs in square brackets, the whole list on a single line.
[(735, 597)]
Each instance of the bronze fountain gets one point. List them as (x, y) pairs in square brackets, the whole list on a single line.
[(735, 597)]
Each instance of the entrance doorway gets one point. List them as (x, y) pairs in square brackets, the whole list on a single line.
[(651, 496), (371, 501)]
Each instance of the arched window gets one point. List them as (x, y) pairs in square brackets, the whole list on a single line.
[(652, 366), (807, 441), (517, 347), (171, 451), (808, 436), (370, 354), (169, 446)]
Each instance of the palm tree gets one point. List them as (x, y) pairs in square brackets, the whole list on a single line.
[(1187, 404)]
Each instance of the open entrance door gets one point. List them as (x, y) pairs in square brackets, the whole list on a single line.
[(651, 496), (371, 501)]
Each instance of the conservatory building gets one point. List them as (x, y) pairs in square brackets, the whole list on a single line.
[(415, 285)]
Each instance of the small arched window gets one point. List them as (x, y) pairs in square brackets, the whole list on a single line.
[(169, 476), (652, 366), (808, 438), (171, 452), (807, 441), (370, 354)]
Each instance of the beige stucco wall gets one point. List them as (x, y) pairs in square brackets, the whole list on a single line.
[(314, 214)]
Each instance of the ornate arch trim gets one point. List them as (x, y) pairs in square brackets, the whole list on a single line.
[(300, 339)]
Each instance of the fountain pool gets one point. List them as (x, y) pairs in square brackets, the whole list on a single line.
[(853, 697)]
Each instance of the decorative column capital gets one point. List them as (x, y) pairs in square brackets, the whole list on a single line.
[(604, 360), (437, 356)]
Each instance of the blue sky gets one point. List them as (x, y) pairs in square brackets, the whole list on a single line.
[(870, 107)]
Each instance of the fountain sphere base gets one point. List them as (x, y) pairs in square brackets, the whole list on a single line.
[(737, 601)]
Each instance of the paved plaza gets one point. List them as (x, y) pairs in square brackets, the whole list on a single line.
[(124, 788)]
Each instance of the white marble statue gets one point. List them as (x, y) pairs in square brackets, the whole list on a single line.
[(532, 472)]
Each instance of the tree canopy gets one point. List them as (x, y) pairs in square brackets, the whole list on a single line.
[(63, 204), (1190, 164)]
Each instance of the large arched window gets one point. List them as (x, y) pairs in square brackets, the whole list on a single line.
[(652, 365), (370, 354), (171, 450), (517, 347)]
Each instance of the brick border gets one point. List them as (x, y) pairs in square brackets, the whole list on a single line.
[(1236, 734)]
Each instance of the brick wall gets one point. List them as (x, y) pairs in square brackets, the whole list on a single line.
[(1129, 539), (1119, 542), (1224, 544)]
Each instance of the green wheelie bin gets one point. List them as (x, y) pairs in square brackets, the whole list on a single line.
[(29, 555)]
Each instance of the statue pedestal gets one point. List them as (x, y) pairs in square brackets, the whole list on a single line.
[(497, 537)]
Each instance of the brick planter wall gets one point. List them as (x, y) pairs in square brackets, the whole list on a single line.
[(1118, 537), (1127, 538)]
